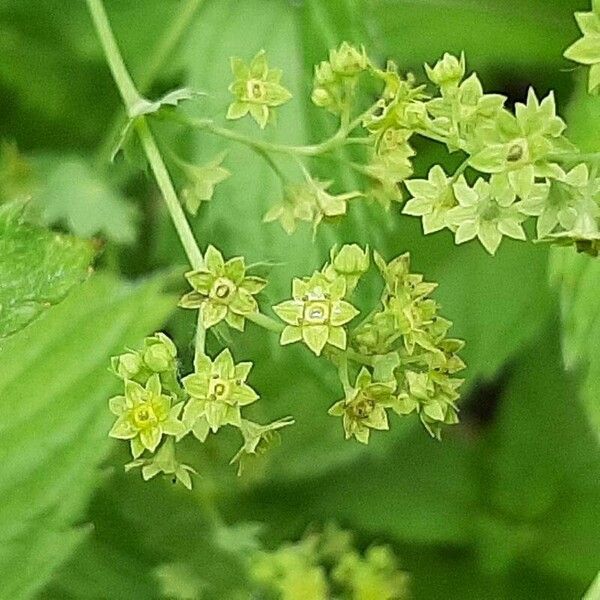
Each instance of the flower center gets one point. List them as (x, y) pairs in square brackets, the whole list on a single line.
[(316, 312), (143, 416), (363, 408), (222, 290), (256, 89), (517, 151), (219, 388)]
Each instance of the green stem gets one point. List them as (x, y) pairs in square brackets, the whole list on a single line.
[(332, 143), (165, 47), (165, 184), (119, 71), (461, 169), (343, 374), (131, 97), (200, 342), (265, 322)]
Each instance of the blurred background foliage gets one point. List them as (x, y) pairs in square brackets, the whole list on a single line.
[(507, 506)]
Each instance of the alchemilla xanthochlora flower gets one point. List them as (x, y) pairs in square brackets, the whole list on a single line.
[(217, 391), (317, 314), (222, 290), (257, 90), (144, 415), (364, 406)]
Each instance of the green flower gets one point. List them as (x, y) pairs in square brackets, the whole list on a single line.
[(350, 262), (432, 199), (487, 211), (335, 80), (519, 144), (364, 406), (462, 112), (385, 171), (347, 60), (202, 181), (144, 416), (309, 202), (257, 90), (164, 461), (317, 313), (433, 396), (448, 71), (217, 391), (257, 440), (222, 290), (399, 281), (586, 50)]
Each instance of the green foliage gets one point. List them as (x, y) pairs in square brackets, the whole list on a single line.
[(37, 268), (53, 443), (73, 195)]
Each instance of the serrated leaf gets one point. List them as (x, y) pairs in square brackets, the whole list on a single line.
[(74, 195), (37, 268), (54, 385)]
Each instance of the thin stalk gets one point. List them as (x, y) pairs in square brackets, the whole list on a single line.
[(332, 143)]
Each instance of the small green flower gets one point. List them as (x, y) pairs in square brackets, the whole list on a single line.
[(448, 71), (144, 416), (487, 211), (347, 60), (164, 461), (432, 199), (463, 112), (202, 180), (433, 396), (350, 262), (519, 144), (364, 406), (317, 313), (217, 391), (586, 50), (257, 90), (298, 204), (257, 440), (385, 171), (222, 290)]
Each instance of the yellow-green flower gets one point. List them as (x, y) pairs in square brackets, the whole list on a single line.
[(317, 313), (144, 416), (222, 290), (257, 90), (217, 390), (364, 406)]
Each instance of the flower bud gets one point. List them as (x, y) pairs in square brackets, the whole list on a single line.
[(351, 259), (159, 353), (321, 97), (448, 71), (128, 365)]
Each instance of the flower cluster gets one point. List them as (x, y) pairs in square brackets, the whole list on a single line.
[(154, 416), (517, 156), (327, 564), (412, 360), (407, 360)]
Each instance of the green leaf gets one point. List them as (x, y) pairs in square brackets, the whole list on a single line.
[(37, 268), (54, 386), (76, 196)]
